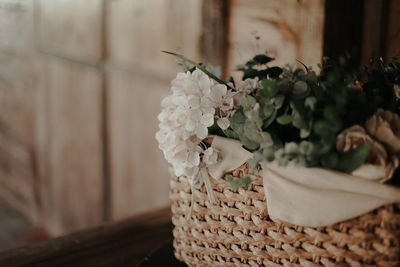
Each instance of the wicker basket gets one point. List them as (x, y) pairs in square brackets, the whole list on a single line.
[(236, 231)]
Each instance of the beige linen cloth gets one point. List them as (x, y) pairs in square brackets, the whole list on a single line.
[(308, 196)]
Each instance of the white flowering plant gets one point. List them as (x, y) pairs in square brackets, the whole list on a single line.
[(342, 118)]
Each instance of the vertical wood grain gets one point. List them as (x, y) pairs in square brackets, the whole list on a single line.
[(17, 164), (288, 30), (140, 178), (381, 37), (215, 33), (71, 146), (374, 32), (344, 29), (138, 77), (18, 177), (16, 41), (71, 28), (137, 31), (393, 30)]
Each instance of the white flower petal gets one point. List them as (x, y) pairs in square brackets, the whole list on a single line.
[(201, 131), (217, 92), (207, 119), (223, 123), (194, 158), (195, 114), (194, 101), (190, 126)]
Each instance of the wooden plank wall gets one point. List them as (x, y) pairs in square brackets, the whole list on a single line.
[(381, 30), (288, 30), (18, 172), (81, 83)]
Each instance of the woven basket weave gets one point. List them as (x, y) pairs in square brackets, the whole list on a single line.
[(236, 231)]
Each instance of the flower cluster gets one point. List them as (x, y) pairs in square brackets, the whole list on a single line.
[(334, 119), (382, 133), (193, 106)]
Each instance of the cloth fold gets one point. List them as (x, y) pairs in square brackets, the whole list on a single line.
[(231, 153), (320, 197), (302, 196)]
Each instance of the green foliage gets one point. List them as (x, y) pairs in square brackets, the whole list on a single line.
[(236, 183), (352, 159), (297, 114)]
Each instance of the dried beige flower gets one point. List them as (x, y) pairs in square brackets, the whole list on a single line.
[(385, 127), (379, 165)]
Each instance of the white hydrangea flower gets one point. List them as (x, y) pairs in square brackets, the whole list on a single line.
[(193, 106), (210, 156), (223, 123)]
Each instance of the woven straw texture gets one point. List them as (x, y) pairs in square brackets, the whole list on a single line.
[(236, 231)]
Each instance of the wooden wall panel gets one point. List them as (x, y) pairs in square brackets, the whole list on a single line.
[(71, 28), (381, 34), (16, 40), (52, 108), (17, 165), (17, 108), (70, 145), (288, 29), (140, 178), (139, 77), (393, 29), (138, 30)]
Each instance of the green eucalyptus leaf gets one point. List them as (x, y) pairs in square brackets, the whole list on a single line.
[(284, 86), (330, 161), (247, 102), (270, 120), (291, 148), (215, 130), (330, 112), (266, 140), (306, 148), (296, 119), (250, 73), (268, 110), (284, 119), (269, 88), (254, 161), (262, 59), (274, 72), (304, 133), (251, 63), (252, 132), (236, 182), (268, 154), (231, 134), (322, 128), (352, 159), (238, 119), (249, 144), (310, 102), (300, 87), (281, 158), (202, 68), (279, 99)]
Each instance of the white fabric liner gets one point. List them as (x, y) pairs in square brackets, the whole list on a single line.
[(232, 156), (321, 197), (307, 196)]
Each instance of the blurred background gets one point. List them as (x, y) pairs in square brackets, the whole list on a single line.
[(81, 82)]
